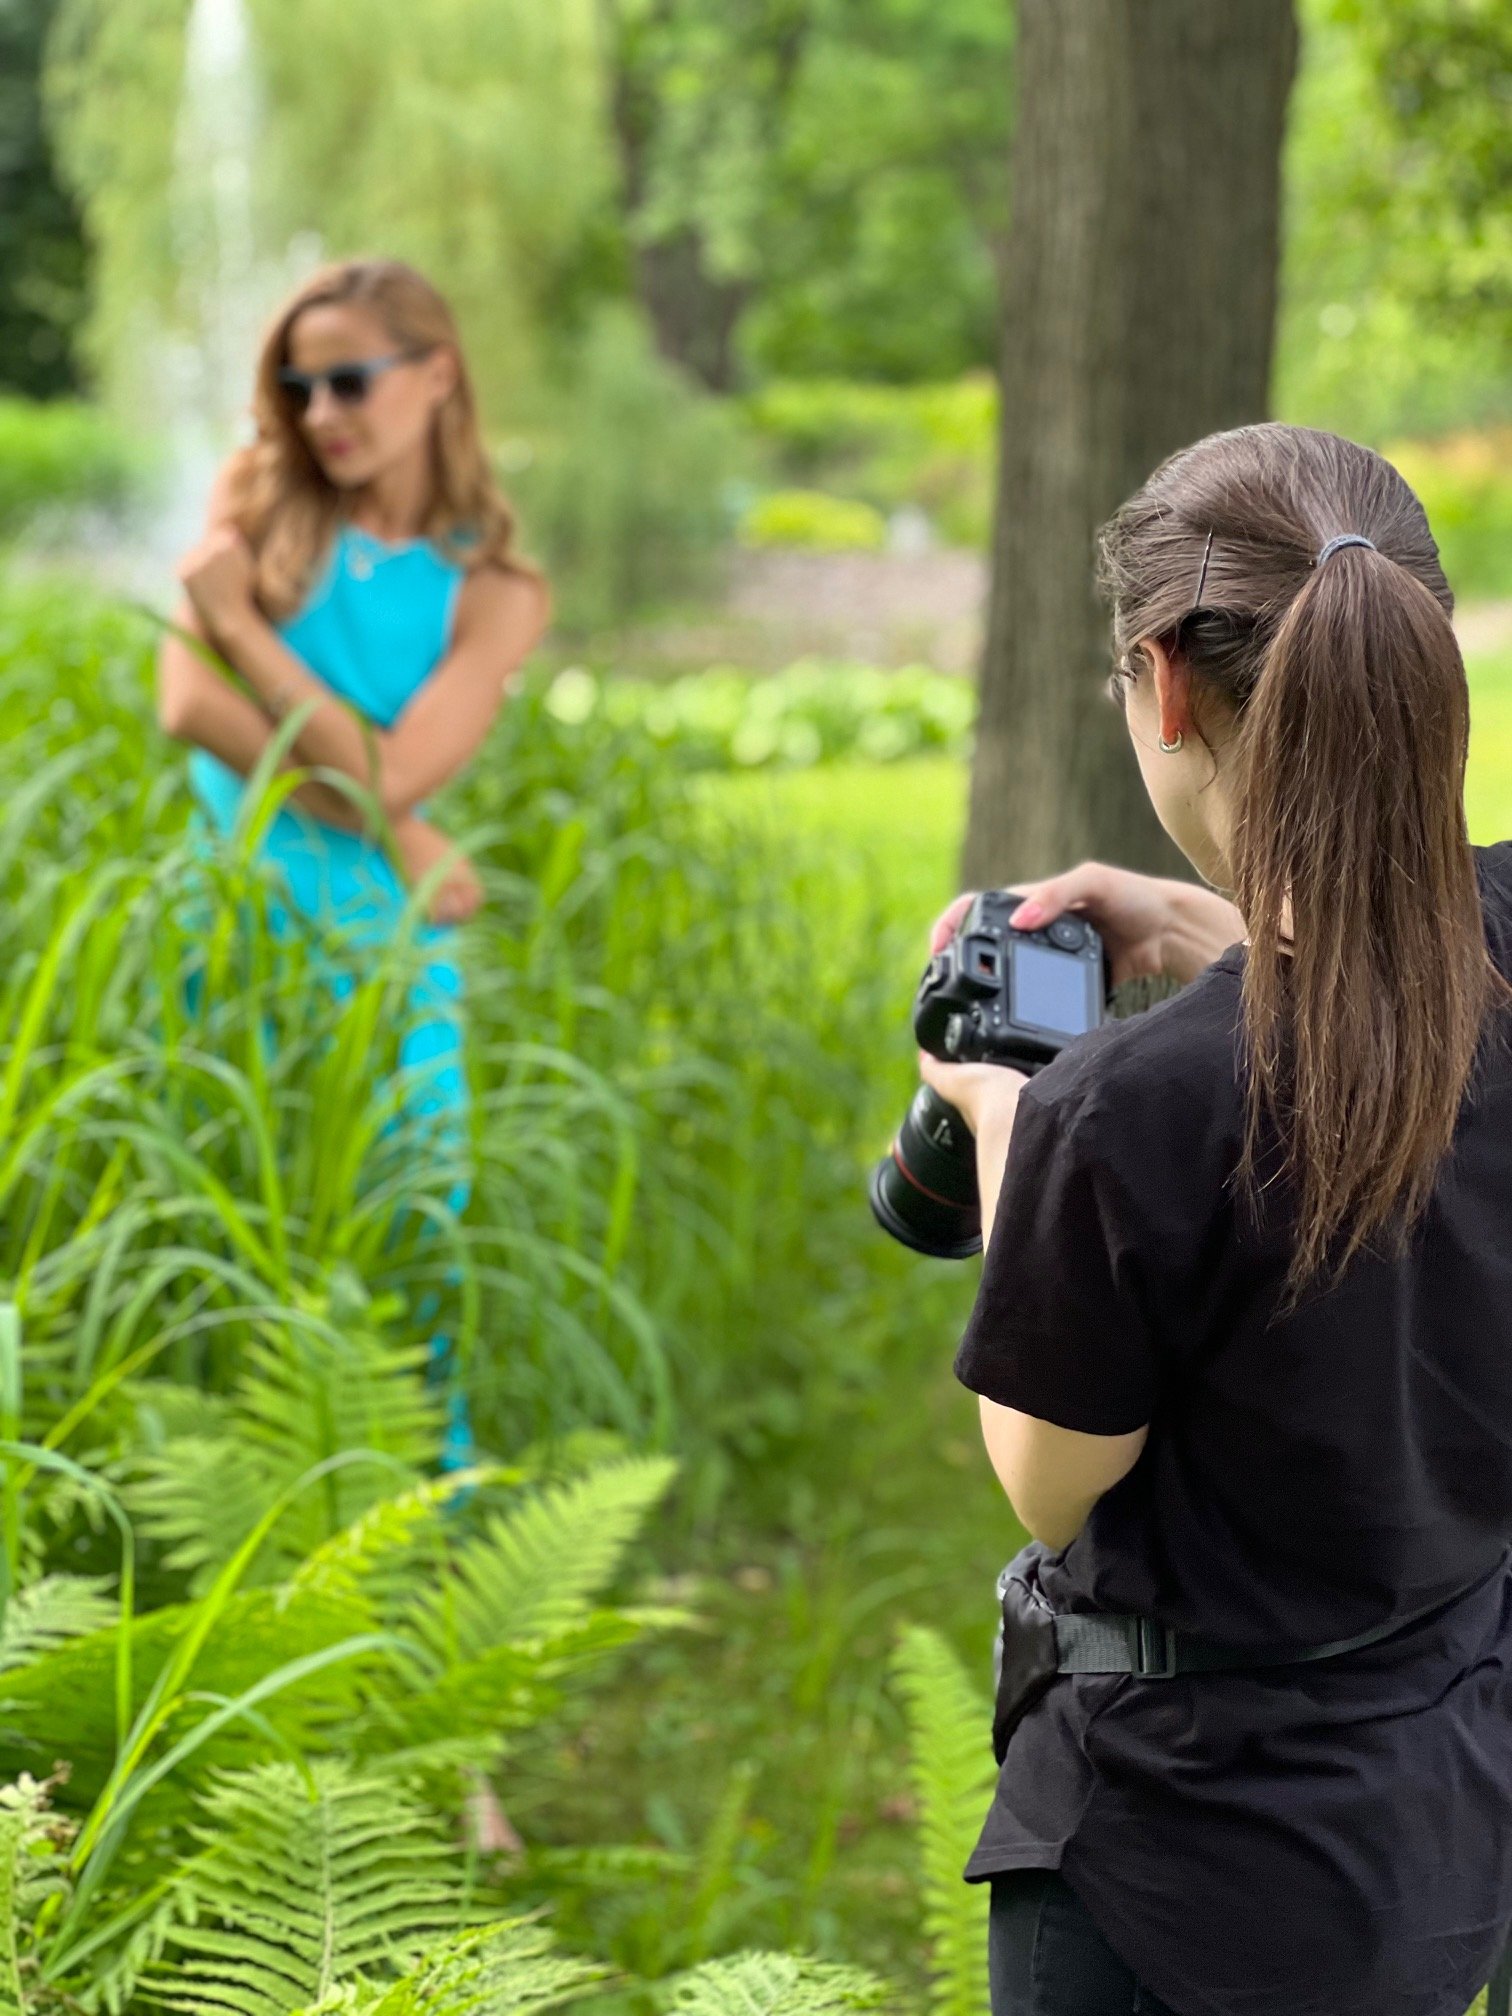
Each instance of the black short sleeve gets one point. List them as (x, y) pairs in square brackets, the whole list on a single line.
[(1059, 1329)]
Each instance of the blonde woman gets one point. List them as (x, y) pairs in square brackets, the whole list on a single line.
[(358, 560)]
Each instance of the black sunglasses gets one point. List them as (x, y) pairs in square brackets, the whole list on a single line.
[(349, 383)]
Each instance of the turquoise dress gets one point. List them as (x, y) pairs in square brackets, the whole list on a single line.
[(374, 627)]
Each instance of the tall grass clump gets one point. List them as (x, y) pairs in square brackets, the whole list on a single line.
[(202, 1160)]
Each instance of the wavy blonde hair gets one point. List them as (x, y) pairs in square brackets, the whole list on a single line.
[(282, 501)]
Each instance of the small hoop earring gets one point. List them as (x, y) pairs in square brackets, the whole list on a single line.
[(1170, 748)]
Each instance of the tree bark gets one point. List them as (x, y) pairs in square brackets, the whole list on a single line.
[(1142, 277)]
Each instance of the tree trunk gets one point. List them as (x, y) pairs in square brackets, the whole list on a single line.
[(692, 317), (1142, 268)]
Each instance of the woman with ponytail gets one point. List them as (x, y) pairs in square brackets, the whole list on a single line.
[(1243, 1341), (358, 567)]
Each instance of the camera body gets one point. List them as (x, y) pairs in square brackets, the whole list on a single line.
[(997, 995), (993, 995)]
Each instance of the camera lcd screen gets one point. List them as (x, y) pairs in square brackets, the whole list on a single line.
[(1049, 989)]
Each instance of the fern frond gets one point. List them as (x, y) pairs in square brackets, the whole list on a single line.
[(302, 1396), (777, 1984), (44, 1615), (373, 1555), (139, 1934), (511, 1968), (509, 1687), (533, 1570), (33, 1867), (953, 1775), (62, 1704), (297, 1891), (198, 1497)]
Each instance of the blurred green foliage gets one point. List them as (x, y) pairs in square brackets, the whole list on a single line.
[(813, 519), (1465, 485), (930, 445), (1443, 74), (63, 453), (815, 185), (1393, 320), (814, 712), (622, 476), (42, 256)]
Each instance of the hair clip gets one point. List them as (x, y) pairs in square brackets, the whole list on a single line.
[(1202, 577)]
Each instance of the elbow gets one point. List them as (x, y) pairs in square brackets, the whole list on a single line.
[(175, 710), (396, 787), (1054, 1522), (397, 799), (1055, 1534)]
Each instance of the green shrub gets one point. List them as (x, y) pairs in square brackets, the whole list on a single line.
[(931, 445), (1465, 485), (813, 520), (813, 712), (55, 455), (622, 483)]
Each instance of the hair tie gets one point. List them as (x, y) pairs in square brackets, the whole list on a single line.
[(1345, 539)]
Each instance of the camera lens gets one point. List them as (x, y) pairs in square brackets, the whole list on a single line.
[(1068, 933), (925, 1192)]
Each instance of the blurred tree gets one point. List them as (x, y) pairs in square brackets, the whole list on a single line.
[(43, 264), (1142, 265), (816, 184), (1363, 346), (471, 143), (1443, 74), (466, 136)]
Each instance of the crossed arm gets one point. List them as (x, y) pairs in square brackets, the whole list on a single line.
[(500, 618)]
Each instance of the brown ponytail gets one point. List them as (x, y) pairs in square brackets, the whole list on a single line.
[(1346, 723)]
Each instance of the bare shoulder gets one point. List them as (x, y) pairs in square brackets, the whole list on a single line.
[(505, 600)]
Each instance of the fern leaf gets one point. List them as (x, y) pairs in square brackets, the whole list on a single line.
[(374, 1555), (198, 1497), (776, 1984), (42, 1616), (298, 1892), (506, 1969), (953, 1775), (509, 1687), (33, 1867), (300, 1399), (533, 1571)]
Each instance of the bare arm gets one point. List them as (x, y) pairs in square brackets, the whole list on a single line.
[(500, 619), (195, 705)]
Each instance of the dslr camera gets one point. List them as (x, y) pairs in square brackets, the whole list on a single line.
[(993, 995)]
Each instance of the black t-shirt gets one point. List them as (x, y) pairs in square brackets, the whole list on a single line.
[(1330, 1838)]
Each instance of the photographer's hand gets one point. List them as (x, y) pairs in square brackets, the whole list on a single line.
[(1149, 923), (986, 1097)]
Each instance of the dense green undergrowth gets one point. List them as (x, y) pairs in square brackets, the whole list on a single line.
[(240, 1620), (236, 1610)]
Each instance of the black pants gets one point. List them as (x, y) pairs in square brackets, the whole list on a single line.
[(1045, 1957)]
